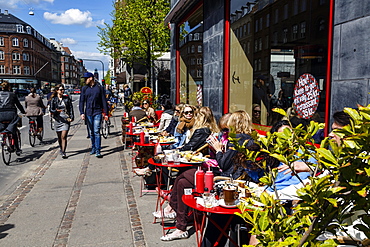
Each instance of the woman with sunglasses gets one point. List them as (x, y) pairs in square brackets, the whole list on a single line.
[(150, 112), (170, 129), (204, 125), (186, 122), (62, 109)]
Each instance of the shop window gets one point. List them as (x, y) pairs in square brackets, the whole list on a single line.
[(190, 33), (260, 81), (15, 42)]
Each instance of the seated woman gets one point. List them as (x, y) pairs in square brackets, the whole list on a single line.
[(150, 112), (184, 126), (205, 124)]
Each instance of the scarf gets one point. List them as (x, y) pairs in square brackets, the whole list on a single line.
[(184, 124)]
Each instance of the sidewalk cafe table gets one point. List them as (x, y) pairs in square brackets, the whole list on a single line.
[(161, 201), (199, 224)]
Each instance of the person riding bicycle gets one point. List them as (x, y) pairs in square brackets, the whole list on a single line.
[(9, 103), (35, 108)]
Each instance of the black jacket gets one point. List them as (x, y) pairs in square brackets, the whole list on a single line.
[(226, 161), (68, 103), (10, 102), (172, 126), (197, 140)]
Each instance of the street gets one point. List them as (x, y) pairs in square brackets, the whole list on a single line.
[(20, 166)]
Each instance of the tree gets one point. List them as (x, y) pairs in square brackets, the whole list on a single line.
[(138, 33), (329, 200), (107, 78)]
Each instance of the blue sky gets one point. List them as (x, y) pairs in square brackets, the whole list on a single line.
[(72, 22)]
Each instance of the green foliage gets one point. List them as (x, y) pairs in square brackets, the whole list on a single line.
[(138, 33), (327, 201), (152, 99)]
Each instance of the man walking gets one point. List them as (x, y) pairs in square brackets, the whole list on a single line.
[(92, 105)]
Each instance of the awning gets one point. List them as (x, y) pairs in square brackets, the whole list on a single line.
[(178, 10), (121, 78), (139, 78)]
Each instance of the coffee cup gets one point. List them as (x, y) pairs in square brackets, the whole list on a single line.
[(230, 194)]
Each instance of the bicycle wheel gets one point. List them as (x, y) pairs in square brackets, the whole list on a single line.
[(6, 150), (104, 129), (32, 134)]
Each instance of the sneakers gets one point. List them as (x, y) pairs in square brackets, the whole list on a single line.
[(177, 234), (160, 215), (64, 155), (143, 172), (98, 155), (92, 151)]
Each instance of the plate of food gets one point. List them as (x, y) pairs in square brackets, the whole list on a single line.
[(222, 204), (166, 140)]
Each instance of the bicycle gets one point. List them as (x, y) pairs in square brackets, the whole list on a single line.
[(8, 144), (105, 124), (51, 118), (33, 131)]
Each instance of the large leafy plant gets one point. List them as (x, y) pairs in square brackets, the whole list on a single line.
[(327, 201), (152, 99)]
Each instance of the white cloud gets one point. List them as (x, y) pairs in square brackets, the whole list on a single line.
[(13, 4), (71, 17), (68, 41)]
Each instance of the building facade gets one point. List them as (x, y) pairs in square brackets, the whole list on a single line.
[(271, 53), (26, 57)]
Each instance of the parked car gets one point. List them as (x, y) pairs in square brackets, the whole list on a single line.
[(77, 91)]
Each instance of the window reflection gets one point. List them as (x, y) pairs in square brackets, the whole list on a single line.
[(272, 44), (191, 57)]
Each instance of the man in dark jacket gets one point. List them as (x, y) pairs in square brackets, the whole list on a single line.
[(92, 105), (8, 112), (137, 111)]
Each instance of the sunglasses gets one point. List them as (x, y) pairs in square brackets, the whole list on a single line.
[(188, 112), (225, 130), (61, 89), (256, 111), (177, 110), (145, 103)]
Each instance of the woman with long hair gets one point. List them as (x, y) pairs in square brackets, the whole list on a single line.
[(204, 126), (35, 108), (62, 109), (185, 124)]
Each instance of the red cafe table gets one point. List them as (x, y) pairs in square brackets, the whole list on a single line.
[(160, 200), (199, 224)]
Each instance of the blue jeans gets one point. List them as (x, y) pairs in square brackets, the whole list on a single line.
[(94, 123)]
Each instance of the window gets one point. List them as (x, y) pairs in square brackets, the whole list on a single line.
[(67, 67), (285, 38), (199, 49), (276, 16), (1, 41), (256, 26), (2, 56), (286, 11), (261, 21), (255, 45), (192, 61), (295, 7), (16, 69), (248, 27), (29, 30), (26, 57), (192, 49), (25, 43), (16, 56), (20, 29), (196, 36), (2, 69), (275, 38), (267, 20), (15, 42), (295, 32), (66, 59), (26, 70), (303, 29), (322, 25), (303, 5), (248, 47), (267, 39), (245, 29), (199, 61), (260, 44)]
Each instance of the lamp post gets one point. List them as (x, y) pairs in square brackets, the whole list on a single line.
[(94, 60)]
